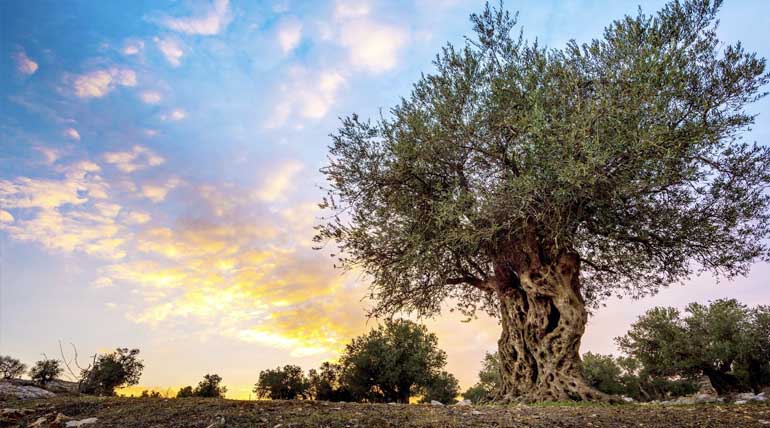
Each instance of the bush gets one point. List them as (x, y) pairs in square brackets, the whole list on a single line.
[(210, 387), (287, 383), (443, 388), (603, 373), (110, 371), (45, 371), (185, 392), (11, 367), (150, 394), (327, 383)]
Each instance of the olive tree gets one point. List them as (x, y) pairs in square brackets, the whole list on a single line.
[(533, 182), (10, 367)]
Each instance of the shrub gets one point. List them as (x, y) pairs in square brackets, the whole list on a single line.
[(443, 388), (11, 367), (210, 387), (110, 371), (185, 392), (45, 371), (287, 383)]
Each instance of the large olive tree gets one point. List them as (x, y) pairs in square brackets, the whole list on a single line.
[(533, 182)]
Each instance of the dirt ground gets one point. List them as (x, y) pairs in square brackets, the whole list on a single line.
[(204, 413)]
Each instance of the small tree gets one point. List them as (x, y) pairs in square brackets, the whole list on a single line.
[(327, 383), (287, 383), (443, 388), (185, 392), (392, 362), (725, 341), (11, 367), (45, 371), (110, 371), (489, 380), (210, 387), (603, 373)]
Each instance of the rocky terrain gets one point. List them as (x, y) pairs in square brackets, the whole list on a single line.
[(92, 412)]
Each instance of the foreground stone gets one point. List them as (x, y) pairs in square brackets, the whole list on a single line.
[(10, 390)]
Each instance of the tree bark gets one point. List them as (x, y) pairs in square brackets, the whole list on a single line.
[(543, 318)]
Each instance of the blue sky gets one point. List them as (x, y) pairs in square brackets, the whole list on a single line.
[(159, 173)]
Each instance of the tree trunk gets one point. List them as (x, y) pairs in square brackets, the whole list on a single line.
[(543, 318)]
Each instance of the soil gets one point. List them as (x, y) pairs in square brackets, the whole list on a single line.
[(208, 413)]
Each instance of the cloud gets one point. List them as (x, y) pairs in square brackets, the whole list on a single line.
[(174, 115), (150, 97), (137, 158), (289, 34), (279, 182), (373, 46), (24, 64), (308, 95), (99, 83), (67, 213), (213, 22), (136, 217), (345, 9), (72, 133), (102, 282), (171, 49), (158, 192), (5, 217), (50, 155), (132, 47)]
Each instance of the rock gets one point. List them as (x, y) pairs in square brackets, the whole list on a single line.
[(392, 404), (219, 423), (705, 387), (464, 403), (627, 399), (705, 398), (81, 422), (39, 422), (476, 412), (23, 392), (436, 403), (741, 401), (745, 396)]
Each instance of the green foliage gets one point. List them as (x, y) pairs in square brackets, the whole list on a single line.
[(185, 392), (11, 368), (489, 380), (45, 371), (391, 362), (624, 151), (287, 383), (603, 373), (327, 383), (110, 371), (443, 388), (210, 387), (726, 340)]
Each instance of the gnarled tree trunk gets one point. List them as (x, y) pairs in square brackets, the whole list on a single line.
[(543, 317)]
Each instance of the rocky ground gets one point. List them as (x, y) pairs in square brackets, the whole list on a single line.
[(213, 413)]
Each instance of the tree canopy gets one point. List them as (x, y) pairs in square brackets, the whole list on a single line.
[(110, 371), (625, 150)]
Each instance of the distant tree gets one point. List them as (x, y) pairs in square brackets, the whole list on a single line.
[(726, 341), (210, 387), (45, 371), (11, 367), (185, 392), (150, 394), (287, 383), (392, 362), (489, 380), (110, 371), (603, 373), (531, 181), (326, 384), (443, 388)]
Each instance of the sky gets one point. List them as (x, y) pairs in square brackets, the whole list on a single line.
[(159, 175)]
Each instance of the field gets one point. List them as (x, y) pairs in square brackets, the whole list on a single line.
[(204, 413)]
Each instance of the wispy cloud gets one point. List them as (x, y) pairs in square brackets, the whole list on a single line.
[(151, 97), (174, 115), (99, 83), (24, 64), (171, 49), (72, 134), (279, 181), (289, 34), (308, 95), (139, 157), (158, 192), (132, 47), (215, 20)]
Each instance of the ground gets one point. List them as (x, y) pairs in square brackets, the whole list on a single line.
[(202, 413)]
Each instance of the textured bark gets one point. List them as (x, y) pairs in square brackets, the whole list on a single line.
[(543, 317)]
